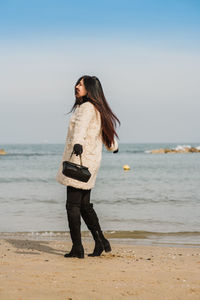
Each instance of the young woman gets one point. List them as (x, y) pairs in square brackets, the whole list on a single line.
[(91, 125)]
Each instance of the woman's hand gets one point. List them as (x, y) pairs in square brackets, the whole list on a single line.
[(78, 149), (116, 150)]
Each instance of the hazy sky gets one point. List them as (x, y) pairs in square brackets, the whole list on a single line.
[(145, 53)]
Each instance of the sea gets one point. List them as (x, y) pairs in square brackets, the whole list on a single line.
[(155, 202)]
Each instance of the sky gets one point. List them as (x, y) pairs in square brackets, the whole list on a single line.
[(145, 53)]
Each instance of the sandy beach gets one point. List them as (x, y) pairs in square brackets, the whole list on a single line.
[(32, 269)]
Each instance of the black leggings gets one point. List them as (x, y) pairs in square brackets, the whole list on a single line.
[(77, 197), (77, 205)]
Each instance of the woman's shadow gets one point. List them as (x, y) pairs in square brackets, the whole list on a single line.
[(32, 246)]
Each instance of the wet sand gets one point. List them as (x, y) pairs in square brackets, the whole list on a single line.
[(32, 269)]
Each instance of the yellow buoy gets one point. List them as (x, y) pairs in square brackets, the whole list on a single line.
[(2, 152), (126, 167)]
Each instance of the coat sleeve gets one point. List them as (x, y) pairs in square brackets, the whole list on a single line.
[(114, 146), (83, 118)]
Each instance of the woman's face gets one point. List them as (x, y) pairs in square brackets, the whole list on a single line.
[(80, 89)]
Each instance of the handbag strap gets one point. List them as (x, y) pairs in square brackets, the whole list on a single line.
[(79, 156)]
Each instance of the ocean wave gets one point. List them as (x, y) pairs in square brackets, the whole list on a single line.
[(148, 234), (182, 147), (140, 237), (139, 201), (132, 151), (25, 179), (123, 234), (147, 151), (28, 154)]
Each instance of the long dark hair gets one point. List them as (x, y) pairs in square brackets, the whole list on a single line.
[(96, 96)]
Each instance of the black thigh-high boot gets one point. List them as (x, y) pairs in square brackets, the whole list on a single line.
[(73, 213), (90, 218)]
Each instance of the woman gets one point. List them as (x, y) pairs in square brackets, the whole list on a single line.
[(91, 125)]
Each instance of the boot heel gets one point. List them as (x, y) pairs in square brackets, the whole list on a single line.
[(107, 246)]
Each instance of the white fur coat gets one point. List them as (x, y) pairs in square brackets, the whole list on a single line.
[(84, 128)]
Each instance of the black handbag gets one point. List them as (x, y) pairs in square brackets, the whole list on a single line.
[(75, 171)]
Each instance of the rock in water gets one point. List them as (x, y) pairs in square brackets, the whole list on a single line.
[(177, 150)]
